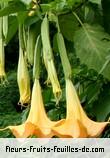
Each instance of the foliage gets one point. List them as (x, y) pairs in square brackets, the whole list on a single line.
[(8, 104)]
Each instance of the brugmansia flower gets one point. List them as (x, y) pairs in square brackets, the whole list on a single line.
[(37, 122), (23, 80), (49, 59), (5, 22), (52, 76), (2, 55), (2, 60), (77, 123), (38, 112), (31, 41)]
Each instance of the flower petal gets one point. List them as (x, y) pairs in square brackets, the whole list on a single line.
[(77, 123), (37, 123)]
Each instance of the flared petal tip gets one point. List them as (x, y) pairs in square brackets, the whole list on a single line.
[(24, 130), (70, 129), (97, 130)]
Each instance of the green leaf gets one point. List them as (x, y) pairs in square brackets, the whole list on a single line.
[(26, 1), (68, 25), (22, 17), (31, 20), (92, 92), (101, 108), (92, 46), (25, 114), (8, 0), (72, 3), (13, 7), (47, 95), (13, 26), (54, 114), (95, 1)]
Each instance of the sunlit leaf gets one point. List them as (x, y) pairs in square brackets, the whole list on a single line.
[(92, 46)]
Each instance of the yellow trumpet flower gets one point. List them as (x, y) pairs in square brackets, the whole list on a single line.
[(77, 123), (41, 120), (37, 122), (23, 80)]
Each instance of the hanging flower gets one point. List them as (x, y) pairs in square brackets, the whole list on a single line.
[(3, 79), (77, 123), (49, 59), (37, 122), (2, 61), (52, 75), (23, 80)]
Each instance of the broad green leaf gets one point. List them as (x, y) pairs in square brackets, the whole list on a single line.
[(13, 26), (92, 92), (31, 20), (68, 26), (92, 46), (101, 108), (21, 16), (13, 7)]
